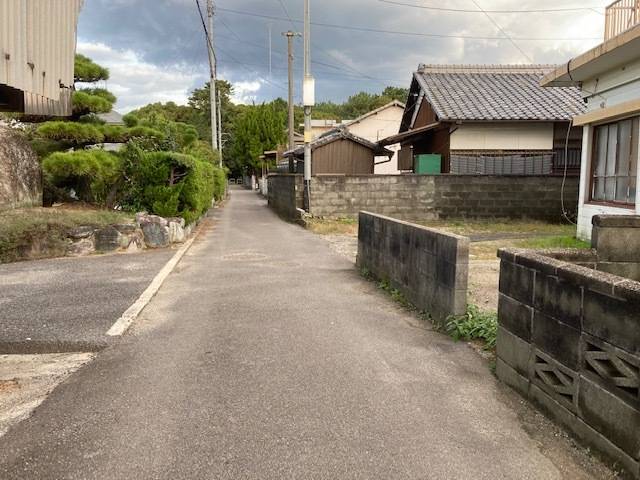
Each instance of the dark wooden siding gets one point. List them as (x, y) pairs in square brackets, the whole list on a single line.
[(437, 141), (426, 115), (342, 157)]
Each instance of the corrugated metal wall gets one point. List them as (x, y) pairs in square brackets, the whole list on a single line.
[(37, 47)]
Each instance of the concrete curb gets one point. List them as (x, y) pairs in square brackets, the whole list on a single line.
[(121, 325)]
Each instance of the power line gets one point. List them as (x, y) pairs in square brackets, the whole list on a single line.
[(399, 32), (500, 29), (286, 12), (464, 10)]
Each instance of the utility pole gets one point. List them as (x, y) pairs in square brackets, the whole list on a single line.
[(308, 100), (220, 124), (292, 142), (212, 63)]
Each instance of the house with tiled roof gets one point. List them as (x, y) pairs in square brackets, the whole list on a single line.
[(488, 120)]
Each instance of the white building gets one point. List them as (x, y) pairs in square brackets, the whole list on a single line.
[(609, 76), (376, 125), (37, 48)]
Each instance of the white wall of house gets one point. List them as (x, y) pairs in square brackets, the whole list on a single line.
[(616, 86), (381, 125), (503, 136)]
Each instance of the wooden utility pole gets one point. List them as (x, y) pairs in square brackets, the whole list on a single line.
[(212, 63), (292, 142)]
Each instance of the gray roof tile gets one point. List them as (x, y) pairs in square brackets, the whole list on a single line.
[(496, 92)]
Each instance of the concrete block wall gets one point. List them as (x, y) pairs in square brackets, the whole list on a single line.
[(617, 240), (429, 267), (420, 197), (285, 193), (569, 341)]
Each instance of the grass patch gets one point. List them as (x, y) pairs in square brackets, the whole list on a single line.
[(42, 232), (339, 226), (475, 325), (562, 241), (494, 226)]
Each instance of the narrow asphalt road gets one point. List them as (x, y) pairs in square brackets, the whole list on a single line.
[(68, 304), (266, 356)]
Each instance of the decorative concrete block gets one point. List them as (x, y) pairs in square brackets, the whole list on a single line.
[(612, 368), (560, 382), (582, 431)]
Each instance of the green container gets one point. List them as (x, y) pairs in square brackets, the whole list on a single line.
[(428, 164)]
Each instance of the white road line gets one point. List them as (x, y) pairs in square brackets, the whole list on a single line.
[(128, 317)]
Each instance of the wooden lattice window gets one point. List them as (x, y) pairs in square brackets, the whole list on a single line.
[(615, 162)]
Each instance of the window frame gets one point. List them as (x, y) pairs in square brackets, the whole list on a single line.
[(593, 166)]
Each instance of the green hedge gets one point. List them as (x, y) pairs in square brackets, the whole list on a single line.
[(173, 184)]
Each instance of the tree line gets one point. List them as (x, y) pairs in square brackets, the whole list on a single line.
[(250, 130)]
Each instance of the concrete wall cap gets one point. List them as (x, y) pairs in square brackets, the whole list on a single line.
[(415, 225), (616, 221)]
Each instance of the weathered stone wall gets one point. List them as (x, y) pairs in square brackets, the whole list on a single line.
[(20, 173), (617, 240), (569, 340), (418, 197), (429, 267), (286, 193)]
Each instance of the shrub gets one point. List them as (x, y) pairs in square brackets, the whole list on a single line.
[(168, 184), (70, 132), (84, 103), (90, 173), (101, 92), (87, 71)]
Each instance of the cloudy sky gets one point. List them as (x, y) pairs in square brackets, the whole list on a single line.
[(156, 51)]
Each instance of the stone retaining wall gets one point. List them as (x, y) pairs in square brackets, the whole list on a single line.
[(419, 197), (569, 340), (429, 267), (285, 194), (149, 231), (20, 172)]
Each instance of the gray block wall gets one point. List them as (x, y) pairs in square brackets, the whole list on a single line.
[(420, 197), (569, 341), (285, 194), (429, 267), (617, 239)]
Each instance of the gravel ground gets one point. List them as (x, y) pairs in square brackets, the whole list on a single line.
[(26, 380)]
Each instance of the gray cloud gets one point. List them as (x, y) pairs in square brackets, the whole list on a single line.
[(164, 39)]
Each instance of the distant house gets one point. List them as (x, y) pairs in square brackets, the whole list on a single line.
[(340, 152), (37, 48), (609, 77), (320, 127), (487, 120), (112, 118), (376, 125)]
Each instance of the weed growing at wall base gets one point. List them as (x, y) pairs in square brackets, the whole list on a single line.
[(474, 325)]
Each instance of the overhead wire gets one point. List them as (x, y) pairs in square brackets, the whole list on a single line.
[(465, 10), (501, 30), (405, 33)]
